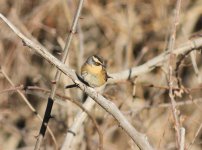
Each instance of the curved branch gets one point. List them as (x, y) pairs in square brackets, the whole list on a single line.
[(139, 138), (157, 61)]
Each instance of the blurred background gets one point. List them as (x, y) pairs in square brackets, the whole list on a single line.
[(126, 33)]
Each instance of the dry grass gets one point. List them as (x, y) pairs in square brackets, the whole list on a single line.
[(126, 33)]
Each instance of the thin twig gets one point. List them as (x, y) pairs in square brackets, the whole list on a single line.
[(81, 46), (12, 89), (163, 105), (178, 64), (193, 60), (172, 59), (76, 102), (174, 88), (29, 105), (147, 106), (89, 103), (164, 131), (195, 136), (57, 78)]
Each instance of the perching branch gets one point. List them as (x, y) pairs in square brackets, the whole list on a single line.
[(139, 138)]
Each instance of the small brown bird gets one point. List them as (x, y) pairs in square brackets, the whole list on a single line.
[(94, 71)]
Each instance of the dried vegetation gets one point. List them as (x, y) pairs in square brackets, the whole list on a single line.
[(126, 33)]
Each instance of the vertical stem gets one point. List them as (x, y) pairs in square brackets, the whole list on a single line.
[(172, 59), (57, 77), (182, 139)]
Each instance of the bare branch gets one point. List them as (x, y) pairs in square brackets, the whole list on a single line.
[(155, 62), (139, 138), (78, 121)]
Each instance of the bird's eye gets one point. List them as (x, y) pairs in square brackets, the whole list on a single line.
[(97, 64)]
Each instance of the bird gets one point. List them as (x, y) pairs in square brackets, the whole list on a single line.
[(94, 72)]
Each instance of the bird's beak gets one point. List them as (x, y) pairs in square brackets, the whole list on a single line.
[(103, 65), (109, 76)]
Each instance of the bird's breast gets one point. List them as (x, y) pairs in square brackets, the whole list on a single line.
[(94, 76)]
